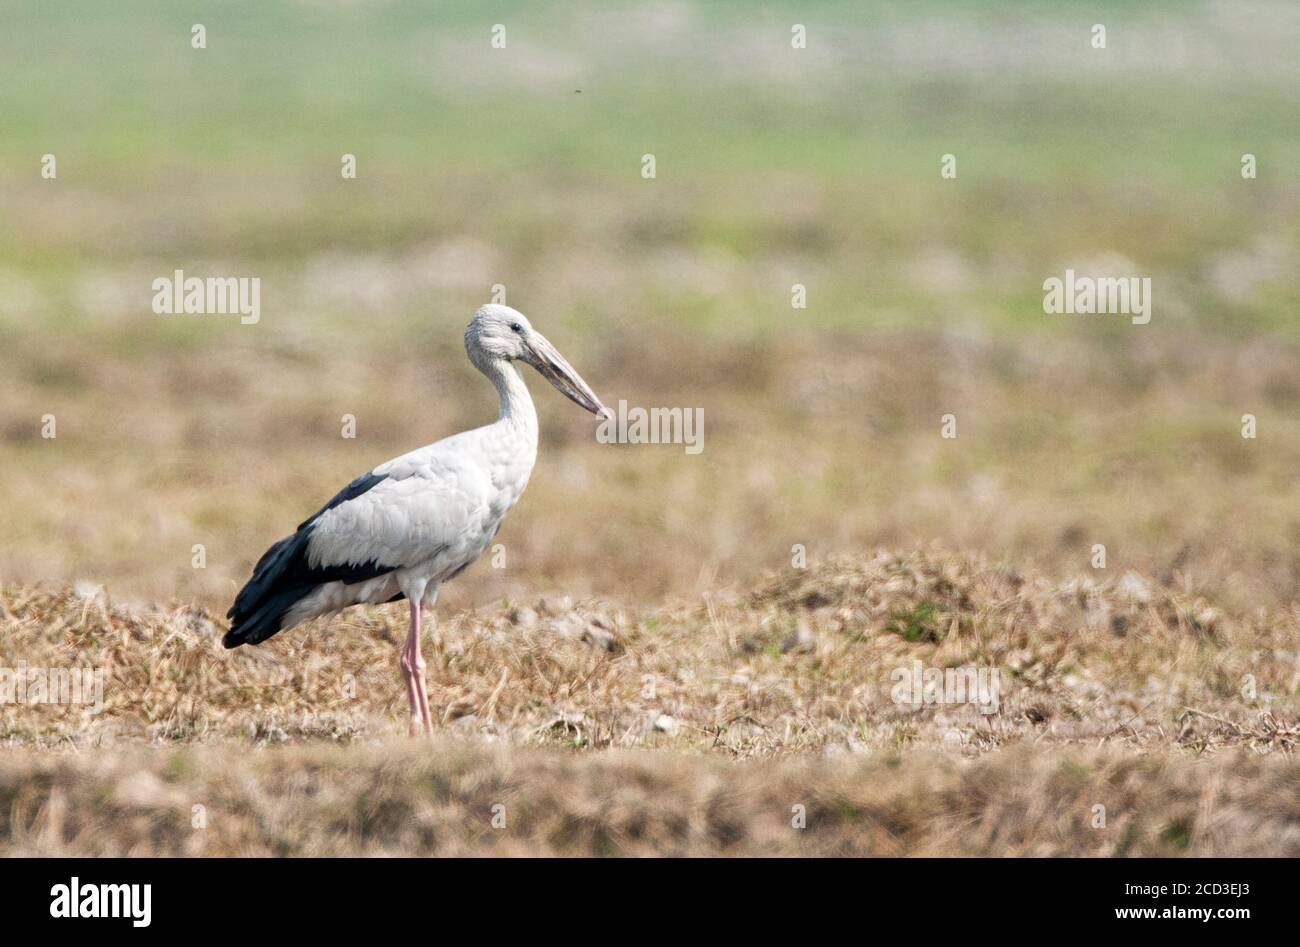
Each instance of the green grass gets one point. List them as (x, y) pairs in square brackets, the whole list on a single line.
[(918, 624), (771, 161)]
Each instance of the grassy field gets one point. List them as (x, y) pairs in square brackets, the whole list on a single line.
[(696, 731), (652, 624), (456, 799)]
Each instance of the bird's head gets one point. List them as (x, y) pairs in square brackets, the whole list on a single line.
[(498, 333)]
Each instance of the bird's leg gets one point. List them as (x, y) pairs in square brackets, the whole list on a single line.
[(413, 668), (420, 685), (408, 674)]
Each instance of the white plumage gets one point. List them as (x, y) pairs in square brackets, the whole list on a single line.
[(412, 523)]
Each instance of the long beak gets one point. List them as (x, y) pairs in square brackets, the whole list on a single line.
[(555, 369)]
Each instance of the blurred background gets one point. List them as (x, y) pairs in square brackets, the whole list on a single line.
[(775, 166)]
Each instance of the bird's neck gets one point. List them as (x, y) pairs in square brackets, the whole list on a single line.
[(517, 411)]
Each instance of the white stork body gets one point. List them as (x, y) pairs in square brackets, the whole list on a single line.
[(412, 523), (435, 512)]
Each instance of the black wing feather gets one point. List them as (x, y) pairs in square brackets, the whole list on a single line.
[(283, 577)]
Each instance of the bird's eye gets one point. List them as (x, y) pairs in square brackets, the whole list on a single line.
[(516, 327)]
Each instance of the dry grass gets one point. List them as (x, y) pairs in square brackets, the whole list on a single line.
[(1061, 444), (686, 730), (411, 798), (802, 663)]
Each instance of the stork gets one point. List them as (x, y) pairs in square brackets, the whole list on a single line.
[(405, 527)]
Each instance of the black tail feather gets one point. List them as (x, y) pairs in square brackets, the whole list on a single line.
[(277, 584), (282, 576), (280, 580)]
